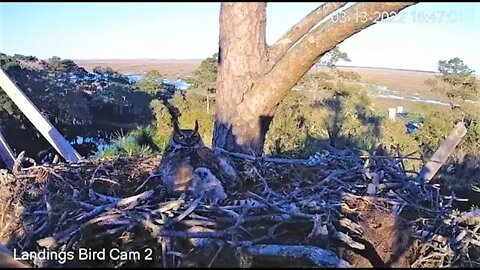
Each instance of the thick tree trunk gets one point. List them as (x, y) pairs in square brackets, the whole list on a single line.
[(242, 58), (253, 78)]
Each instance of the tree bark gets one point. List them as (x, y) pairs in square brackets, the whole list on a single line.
[(242, 58), (283, 44), (253, 78)]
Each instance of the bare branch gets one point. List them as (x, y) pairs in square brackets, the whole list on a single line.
[(134, 199), (183, 234), (284, 43), (266, 159)]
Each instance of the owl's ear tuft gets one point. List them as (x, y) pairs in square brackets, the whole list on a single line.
[(176, 129), (196, 125)]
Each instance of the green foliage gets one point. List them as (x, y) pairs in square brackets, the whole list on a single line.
[(161, 142), (151, 83), (288, 130), (312, 78), (437, 124), (343, 118), (153, 139), (163, 124), (205, 77), (328, 85), (350, 121), (24, 57), (57, 64), (317, 81), (454, 66), (122, 103), (129, 146), (110, 151), (66, 102), (72, 99), (153, 74), (138, 142), (471, 114), (49, 93), (162, 116), (394, 138), (331, 58), (349, 75), (414, 116), (457, 81), (313, 82), (111, 75)]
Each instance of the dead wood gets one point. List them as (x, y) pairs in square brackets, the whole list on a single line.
[(305, 210)]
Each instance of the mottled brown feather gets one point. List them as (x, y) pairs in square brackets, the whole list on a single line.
[(184, 154)]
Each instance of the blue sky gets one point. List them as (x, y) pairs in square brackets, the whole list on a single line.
[(190, 30)]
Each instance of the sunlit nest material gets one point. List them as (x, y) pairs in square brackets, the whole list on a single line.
[(336, 210)]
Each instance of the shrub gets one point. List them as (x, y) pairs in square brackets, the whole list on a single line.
[(349, 75), (151, 83), (288, 129), (138, 142), (343, 118), (437, 124)]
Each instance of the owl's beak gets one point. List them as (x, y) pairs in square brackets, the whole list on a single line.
[(203, 175)]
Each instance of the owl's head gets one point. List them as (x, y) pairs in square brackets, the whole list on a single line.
[(186, 138)]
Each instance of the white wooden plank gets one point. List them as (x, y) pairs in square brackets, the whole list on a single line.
[(6, 153), (443, 152), (48, 131)]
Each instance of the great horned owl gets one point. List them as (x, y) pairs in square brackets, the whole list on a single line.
[(183, 157)]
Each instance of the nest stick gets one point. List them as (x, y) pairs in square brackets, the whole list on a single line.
[(146, 181), (183, 234), (188, 211), (320, 257), (168, 206), (140, 197), (267, 159)]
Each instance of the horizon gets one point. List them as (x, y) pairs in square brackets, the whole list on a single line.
[(189, 31), (199, 60)]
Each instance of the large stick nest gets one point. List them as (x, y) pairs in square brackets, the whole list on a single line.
[(336, 210)]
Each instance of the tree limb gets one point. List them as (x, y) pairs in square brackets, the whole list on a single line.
[(296, 32), (271, 90), (262, 158), (320, 257)]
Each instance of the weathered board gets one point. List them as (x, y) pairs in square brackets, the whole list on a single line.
[(6, 153), (38, 120), (443, 152)]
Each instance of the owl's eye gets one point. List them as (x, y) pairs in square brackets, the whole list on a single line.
[(180, 137)]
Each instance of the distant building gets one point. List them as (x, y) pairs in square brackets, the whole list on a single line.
[(397, 112), (392, 113)]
